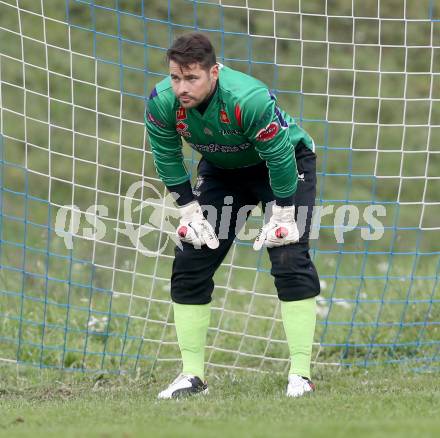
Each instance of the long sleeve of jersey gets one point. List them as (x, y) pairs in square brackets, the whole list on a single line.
[(264, 125), (166, 146)]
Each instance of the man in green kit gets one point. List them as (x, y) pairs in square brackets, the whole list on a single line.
[(252, 151)]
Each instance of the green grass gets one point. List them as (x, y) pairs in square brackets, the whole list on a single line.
[(390, 401)]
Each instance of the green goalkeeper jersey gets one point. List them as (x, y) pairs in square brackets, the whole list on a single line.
[(242, 126)]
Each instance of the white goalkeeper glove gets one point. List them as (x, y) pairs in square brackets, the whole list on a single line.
[(194, 228), (280, 230)]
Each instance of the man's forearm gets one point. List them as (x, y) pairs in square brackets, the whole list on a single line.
[(182, 193), (285, 202)]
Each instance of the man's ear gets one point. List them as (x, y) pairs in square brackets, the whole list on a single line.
[(214, 72)]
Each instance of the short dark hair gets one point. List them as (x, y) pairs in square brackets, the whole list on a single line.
[(192, 48)]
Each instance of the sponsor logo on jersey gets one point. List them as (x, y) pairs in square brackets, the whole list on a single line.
[(230, 132), (207, 131), (269, 132), (181, 113), (181, 128), (224, 117), (155, 121), (214, 147)]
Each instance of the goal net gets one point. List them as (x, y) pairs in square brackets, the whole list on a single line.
[(86, 242)]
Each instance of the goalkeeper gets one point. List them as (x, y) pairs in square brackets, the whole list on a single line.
[(252, 151)]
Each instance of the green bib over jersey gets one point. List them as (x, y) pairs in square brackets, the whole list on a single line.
[(242, 126)]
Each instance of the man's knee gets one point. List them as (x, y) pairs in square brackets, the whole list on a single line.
[(191, 279), (188, 292), (193, 269), (294, 272)]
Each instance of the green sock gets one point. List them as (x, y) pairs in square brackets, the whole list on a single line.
[(299, 319), (192, 321)]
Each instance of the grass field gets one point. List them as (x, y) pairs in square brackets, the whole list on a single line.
[(374, 402)]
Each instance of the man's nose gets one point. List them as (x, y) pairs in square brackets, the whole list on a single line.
[(182, 88)]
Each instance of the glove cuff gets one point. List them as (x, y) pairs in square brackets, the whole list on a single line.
[(188, 211), (283, 214)]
